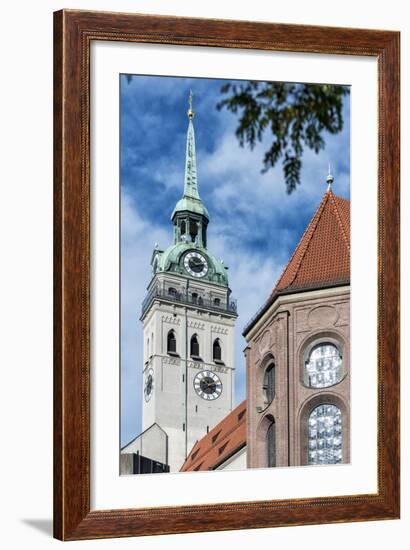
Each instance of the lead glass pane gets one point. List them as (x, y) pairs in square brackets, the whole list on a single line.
[(324, 366), (325, 438)]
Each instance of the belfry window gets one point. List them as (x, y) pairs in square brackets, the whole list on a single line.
[(324, 366), (217, 302), (325, 436), (172, 292), (171, 342), (217, 350), (193, 229), (194, 346), (269, 383), (271, 443)]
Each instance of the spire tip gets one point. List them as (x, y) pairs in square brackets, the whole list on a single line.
[(329, 179), (190, 111)]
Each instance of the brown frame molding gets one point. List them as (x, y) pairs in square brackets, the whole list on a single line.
[(73, 33)]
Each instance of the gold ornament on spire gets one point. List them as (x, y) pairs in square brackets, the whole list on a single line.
[(190, 111)]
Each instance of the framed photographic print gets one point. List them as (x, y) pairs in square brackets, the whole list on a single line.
[(226, 275)]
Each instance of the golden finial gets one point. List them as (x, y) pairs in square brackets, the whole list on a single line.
[(190, 111)]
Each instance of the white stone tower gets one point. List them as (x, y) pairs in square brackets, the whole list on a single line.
[(188, 318)]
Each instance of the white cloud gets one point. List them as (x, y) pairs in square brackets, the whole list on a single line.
[(244, 205), (137, 241)]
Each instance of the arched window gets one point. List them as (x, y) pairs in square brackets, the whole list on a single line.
[(217, 350), (271, 443), (217, 302), (171, 342), (325, 436), (194, 296), (172, 291), (269, 383), (324, 366), (183, 227), (194, 346)]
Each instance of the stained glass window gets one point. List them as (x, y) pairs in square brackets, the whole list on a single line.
[(324, 366), (325, 437)]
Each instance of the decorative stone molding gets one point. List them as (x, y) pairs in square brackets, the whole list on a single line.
[(265, 342), (322, 316), (219, 330), (171, 320), (196, 325), (343, 312), (302, 324), (196, 365), (171, 361)]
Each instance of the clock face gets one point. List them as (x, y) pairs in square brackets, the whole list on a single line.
[(149, 385), (208, 385), (196, 264)]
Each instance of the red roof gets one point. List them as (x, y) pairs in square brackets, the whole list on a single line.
[(223, 441), (322, 257)]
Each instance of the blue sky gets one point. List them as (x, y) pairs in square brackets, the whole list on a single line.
[(254, 226)]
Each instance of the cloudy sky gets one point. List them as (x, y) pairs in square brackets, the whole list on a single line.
[(254, 226)]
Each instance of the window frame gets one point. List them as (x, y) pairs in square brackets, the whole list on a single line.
[(194, 355), (270, 367), (170, 351), (323, 398), (308, 428), (217, 359), (323, 337)]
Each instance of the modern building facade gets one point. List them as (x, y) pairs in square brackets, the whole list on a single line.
[(188, 319)]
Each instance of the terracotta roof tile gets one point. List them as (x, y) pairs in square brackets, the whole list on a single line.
[(224, 440), (322, 256)]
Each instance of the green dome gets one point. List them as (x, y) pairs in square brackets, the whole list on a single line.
[(171, 260), (190, 204)]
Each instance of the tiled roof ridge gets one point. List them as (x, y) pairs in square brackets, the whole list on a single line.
[(218, 441), (309, 229), (339, 219)]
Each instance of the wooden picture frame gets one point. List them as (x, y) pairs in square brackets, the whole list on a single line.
[(74, 32)]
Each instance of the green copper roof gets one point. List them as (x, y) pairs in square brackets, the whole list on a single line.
[(190, 200), (171, 260), (190, 219)]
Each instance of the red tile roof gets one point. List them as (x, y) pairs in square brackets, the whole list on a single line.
[(223, 441), (322, 257)]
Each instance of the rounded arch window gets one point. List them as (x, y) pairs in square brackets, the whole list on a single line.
[(194, 346), (325, 435), (271, 443), (323, 365), (269, 383), (217, 350), (171, 342)]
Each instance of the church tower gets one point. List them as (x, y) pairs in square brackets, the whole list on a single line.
[(188, 320)]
